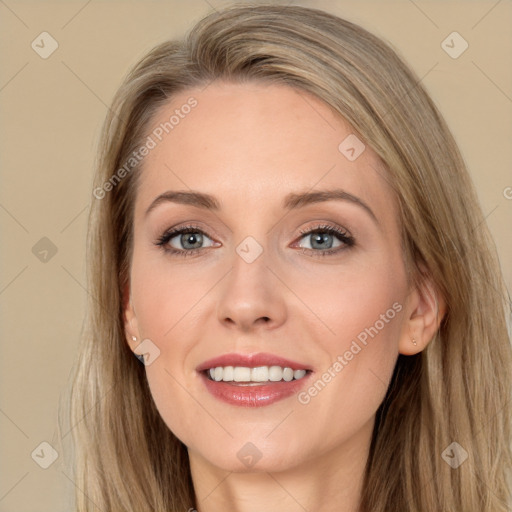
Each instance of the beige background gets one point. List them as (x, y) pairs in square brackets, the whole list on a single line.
[(51, 112)]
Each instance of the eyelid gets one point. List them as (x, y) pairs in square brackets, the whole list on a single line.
[(343, 235), (339, 232), (175, 231)]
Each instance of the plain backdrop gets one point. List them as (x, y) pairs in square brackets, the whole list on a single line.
[(51, 110)]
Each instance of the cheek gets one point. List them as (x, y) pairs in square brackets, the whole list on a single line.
[(166, 302), (361, 300), (361, 314), (164, 297), (170, 398)]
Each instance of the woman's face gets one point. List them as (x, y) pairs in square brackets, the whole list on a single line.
[(271, 264)]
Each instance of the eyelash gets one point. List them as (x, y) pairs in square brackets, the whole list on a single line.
[(342, 235)]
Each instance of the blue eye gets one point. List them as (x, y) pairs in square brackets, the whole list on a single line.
[(189, 238), (323, 240)]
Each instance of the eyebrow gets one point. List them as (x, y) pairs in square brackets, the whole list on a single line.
[(291, 202)]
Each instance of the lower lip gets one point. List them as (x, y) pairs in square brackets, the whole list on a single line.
[(253, 396)]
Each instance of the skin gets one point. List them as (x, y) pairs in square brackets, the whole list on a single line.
[(250, 145)]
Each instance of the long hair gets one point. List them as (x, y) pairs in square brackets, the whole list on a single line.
[(455, 391)]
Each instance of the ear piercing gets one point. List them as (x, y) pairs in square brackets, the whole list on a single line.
[(414, 342)]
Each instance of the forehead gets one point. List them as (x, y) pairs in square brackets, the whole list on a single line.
[(251, 144)]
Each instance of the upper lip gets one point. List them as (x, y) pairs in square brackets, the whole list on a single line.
[(252, 361)]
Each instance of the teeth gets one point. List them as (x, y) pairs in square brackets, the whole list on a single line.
[(287, 374), (298, 374), (240, 374), (258, 374), (227, 374)]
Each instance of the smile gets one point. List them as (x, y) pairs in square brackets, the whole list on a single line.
[(247, 375)]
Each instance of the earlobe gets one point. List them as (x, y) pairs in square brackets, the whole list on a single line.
[(426, 309)]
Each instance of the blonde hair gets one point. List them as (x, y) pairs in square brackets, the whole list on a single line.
[(456, 390)]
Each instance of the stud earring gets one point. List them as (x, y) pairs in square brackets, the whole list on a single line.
[(414, 342)]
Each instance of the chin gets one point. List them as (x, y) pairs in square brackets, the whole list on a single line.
[(249, 458)]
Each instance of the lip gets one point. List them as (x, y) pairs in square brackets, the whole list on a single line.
[(252, 361), (255, 395)]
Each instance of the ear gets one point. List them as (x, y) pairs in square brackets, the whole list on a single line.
[(130, 320), (425, 310)]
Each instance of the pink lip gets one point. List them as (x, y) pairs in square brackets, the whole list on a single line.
[(252, 361), (260, 394), (253, 396)]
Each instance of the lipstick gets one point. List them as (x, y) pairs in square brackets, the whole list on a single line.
[(245, 392)]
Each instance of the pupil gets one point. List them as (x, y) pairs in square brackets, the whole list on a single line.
[(322, 239), (194, 239)]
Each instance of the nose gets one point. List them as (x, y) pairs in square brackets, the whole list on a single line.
[(252, 297)]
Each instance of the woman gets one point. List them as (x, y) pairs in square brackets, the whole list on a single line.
[(284, 233)]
